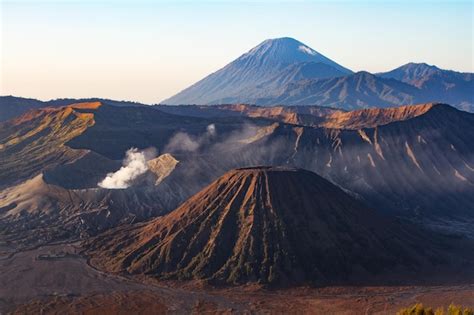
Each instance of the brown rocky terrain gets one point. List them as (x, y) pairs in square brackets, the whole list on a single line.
[(373, 117), (56, 280), (269, 225), (36, 212), (314, 116), (339, 300), (415, 162), (301, 115), (36, 140), (49, 190)]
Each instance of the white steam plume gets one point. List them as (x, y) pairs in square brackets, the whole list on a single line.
[(184, 142), (211, 130), (134, 165)]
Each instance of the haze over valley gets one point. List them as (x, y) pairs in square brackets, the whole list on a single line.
[(282, 182)]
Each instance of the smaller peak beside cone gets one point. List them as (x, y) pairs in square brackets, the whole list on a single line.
[(419, 65)]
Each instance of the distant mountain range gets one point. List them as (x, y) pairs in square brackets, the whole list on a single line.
[(432, 83), (259, 73), (284, 71)]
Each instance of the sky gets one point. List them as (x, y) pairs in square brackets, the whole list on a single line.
[(147, 51)]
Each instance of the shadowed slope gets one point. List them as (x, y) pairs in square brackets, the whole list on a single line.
[(259, 73), (37, 212), (437, 84), (416, 162), (266, 225), (36, 140), (356, 91)]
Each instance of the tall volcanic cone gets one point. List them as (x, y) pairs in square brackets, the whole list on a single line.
[(260, 72), (266, 225)]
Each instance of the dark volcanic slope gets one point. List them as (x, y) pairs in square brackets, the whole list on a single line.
[(48, 190), (267, 225), (359, 90), (286, 72), (259, 72), (448, 86), (414, 161), (11, 106), (36, 140)]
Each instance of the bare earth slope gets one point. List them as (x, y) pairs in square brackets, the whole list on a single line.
[(36, 140), (267, 225), (411, 160), (313, 116), (373, 117), (414, 161)]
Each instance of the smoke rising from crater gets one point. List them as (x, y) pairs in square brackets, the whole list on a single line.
[(134, 165), (185, 142)]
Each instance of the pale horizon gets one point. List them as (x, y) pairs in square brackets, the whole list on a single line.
[(146, 52)]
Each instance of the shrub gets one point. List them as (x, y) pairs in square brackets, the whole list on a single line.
[(419, 309)]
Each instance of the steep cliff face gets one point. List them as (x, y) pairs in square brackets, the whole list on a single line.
[(421, 166), (162, 166), (373, 117), (311, 116), (36, 140), (268, 225), (414, 161)]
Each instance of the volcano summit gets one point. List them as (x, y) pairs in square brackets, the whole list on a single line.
[(267, 225), (260, 72)]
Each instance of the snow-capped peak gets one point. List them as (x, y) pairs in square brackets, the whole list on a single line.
[(307, 50)]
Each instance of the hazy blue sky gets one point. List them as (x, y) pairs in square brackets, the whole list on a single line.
[(149, 50)]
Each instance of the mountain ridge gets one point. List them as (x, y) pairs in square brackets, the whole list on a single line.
[(414, 162), (286, 72)]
